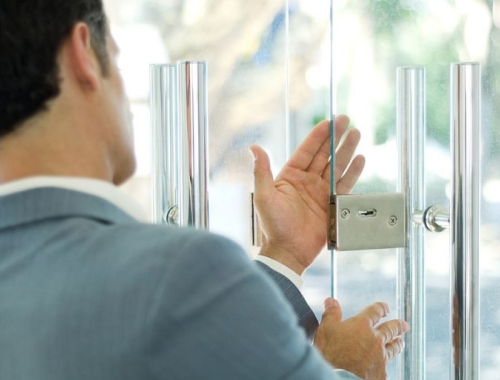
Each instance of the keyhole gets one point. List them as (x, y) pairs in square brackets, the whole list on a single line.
[(368, 213)]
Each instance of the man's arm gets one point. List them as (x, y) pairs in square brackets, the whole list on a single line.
[(293, 210), (218, 317), (302, 310)]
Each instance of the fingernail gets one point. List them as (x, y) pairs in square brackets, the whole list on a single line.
[(387, 309), (329, 302), (406, 326)]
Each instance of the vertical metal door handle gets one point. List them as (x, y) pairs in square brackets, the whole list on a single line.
[(193, 119), (411, 274), (464, 216), (164, 132)]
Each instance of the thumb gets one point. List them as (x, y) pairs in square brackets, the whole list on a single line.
[(263, 177), (332, 310)]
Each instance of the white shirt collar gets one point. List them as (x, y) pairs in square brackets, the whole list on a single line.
[(98, 188)]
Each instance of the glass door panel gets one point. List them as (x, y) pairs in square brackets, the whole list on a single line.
[(377, 37), (268, 76)]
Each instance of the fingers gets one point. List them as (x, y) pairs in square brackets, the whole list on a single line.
[(332, 310), (346, 179), (375, 312), (351, 176), (392, 329), (303, 156), (322, 156), (263, 177), (341, 124), (313, 153), (394, 348), (345, 152)]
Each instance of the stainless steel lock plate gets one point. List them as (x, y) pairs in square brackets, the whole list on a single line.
[(371, 221)]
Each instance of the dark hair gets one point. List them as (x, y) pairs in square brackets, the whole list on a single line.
[(31, 34)]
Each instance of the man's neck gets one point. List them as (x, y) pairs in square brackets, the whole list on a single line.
[(23, 155)]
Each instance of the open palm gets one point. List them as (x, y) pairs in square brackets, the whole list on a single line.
[(293, 208)]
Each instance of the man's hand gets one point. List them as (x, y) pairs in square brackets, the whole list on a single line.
[(358, 344), (293, 208)]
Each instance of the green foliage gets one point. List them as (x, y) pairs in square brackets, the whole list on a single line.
[(387, 15), (402, 38)]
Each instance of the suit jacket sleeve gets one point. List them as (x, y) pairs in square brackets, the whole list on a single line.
[(305, 315), (219, 318)]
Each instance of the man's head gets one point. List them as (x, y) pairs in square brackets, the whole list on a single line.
[(31, 34), (53, 55)]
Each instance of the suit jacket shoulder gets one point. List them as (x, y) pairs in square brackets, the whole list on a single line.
[(88, 293)]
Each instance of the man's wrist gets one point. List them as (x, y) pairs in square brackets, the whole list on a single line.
[(283, 256)]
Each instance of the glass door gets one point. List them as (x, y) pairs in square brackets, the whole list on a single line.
[(268, 78)]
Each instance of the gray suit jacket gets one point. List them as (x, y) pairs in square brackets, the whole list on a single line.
[(86, 292)]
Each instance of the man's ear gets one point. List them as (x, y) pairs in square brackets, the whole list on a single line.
[(82, 61)]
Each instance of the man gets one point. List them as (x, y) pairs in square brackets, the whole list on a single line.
[(88, 292)]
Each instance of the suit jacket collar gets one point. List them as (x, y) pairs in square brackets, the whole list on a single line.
[(50, 202), (92, 186)]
